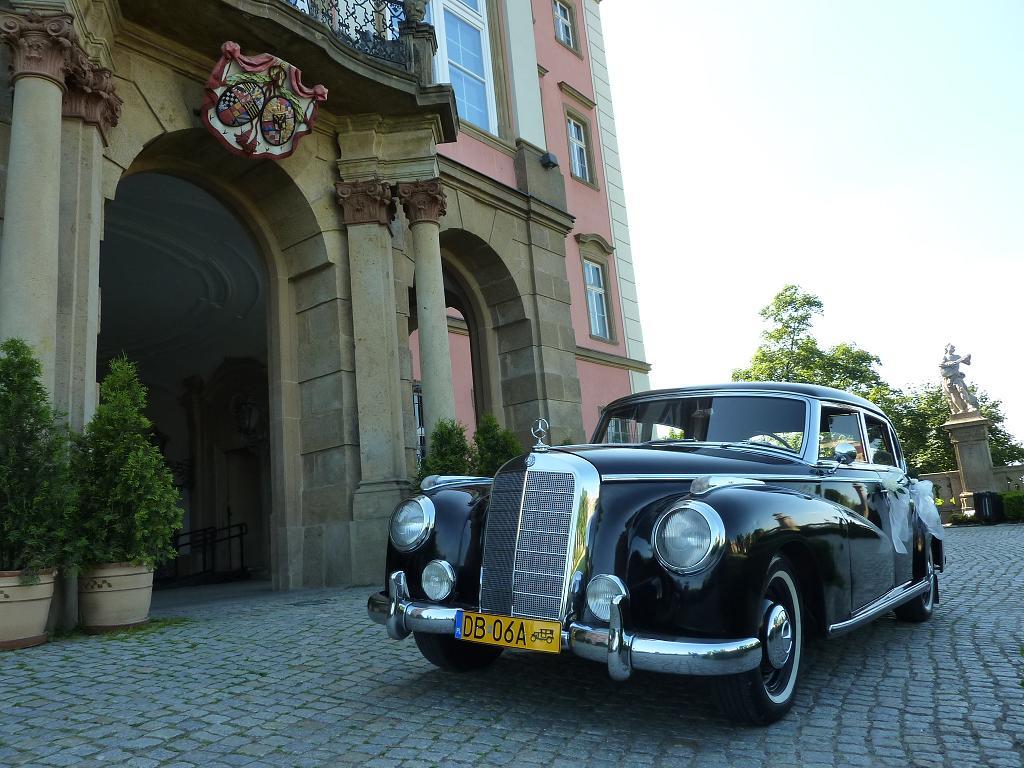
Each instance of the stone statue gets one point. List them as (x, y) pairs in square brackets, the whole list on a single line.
[(960, 398)]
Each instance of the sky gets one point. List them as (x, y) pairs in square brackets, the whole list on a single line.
[(870, 152)]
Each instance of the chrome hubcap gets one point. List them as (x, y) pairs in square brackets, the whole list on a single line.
[(778, 636)]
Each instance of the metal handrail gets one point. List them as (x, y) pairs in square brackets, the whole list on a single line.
[(368, 26), (206, 542)]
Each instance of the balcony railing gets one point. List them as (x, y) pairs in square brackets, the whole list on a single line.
[(368, 26)]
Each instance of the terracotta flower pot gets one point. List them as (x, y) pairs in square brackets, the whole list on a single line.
[(23, 609), (114, 596)]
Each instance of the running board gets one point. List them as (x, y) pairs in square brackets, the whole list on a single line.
[(894, 597)]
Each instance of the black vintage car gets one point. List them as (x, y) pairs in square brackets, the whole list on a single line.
[(705, 531)]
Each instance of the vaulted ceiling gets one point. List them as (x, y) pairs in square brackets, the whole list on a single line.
[(182, 283)]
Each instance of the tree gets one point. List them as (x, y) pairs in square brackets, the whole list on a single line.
[(448, 452), (129, 508), (37, 491), (789, 352), (918, 416), (494, 446)]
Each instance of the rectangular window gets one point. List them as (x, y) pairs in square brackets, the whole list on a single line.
[(837, 427), (579, 152), (564, 30), (597, 304), (464, 58), (880, 443)]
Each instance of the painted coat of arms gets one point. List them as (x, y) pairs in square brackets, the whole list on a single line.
[(257, 106)]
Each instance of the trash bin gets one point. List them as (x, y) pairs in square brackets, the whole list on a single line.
[(988, 507)]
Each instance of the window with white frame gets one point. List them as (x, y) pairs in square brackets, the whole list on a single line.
[(597, 303), (564, 24), (579, 152), (464, 58)]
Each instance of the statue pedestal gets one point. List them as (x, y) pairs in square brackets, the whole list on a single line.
[(969, 434)]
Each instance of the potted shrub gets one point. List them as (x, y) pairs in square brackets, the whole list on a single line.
[(128, 511), (494, 446), (36, 497), (448, 453)]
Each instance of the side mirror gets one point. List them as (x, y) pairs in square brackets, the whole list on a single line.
[(845, 453)]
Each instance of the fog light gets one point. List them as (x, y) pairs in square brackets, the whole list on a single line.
[(438, 579), (600, 592)]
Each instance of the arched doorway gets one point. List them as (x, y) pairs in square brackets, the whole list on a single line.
[(184, 295)]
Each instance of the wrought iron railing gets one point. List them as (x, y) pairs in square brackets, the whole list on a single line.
[(369, 26)]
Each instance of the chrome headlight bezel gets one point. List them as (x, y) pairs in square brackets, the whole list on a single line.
[(717, 536), (429, 514), (615, 588), (448, 571)]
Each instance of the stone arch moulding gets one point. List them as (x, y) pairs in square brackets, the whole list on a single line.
[(499, 323), (288, 208)]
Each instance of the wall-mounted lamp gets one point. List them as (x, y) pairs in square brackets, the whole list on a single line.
[(548, 160)]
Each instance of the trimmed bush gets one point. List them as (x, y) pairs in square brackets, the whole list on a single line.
[(37, 492), (1013, 506), (448, 452), (494, 446), (129, 508)]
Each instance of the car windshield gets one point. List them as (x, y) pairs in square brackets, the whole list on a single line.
[(776, 422)]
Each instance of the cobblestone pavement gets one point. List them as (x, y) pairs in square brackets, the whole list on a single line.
[(303, 679)]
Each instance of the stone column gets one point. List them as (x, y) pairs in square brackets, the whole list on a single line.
[(969, 434), (369, 209), (41, 47), (424, 203), (91, 109)]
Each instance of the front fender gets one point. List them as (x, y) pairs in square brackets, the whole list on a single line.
[(457, 537), (724, 600)]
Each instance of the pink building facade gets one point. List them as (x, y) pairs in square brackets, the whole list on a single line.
[(560, 100)]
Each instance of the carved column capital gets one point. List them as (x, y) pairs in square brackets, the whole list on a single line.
[(366, 202), (423, 200), (91, 95), (41, 45)]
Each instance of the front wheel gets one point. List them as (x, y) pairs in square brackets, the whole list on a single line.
[(453, 655), (763, 695)]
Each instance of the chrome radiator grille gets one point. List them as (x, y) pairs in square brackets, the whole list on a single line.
[(526, 544)]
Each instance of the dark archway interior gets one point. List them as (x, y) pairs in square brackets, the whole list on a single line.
[(184, 295)]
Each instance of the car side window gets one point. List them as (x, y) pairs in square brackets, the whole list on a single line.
[(839, 426), (880, 442)]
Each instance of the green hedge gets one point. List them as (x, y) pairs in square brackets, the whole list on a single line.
[(1013, 506)]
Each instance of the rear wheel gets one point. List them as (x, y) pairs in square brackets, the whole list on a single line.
[(453, 655), (921, 607), (763, 695)]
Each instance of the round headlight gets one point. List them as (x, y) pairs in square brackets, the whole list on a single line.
[(438, 579), (411, 522), (600, 592), (689, 537)]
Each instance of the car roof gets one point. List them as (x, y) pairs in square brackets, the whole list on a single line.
[(808, 390)]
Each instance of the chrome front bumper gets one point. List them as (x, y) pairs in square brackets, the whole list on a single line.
[(615, 645)]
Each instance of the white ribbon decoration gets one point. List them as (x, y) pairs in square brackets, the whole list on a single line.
[(909, 498), (923, 494)]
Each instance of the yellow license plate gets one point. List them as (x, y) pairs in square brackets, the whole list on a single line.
[(509, 632)]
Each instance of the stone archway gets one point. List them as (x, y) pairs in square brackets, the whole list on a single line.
[(288, 211), (480, 285), (184, 292)]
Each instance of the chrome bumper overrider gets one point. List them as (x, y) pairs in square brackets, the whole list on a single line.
[(615, 645)]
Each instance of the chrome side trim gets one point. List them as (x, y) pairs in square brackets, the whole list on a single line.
[(891, 599), (671, 477), (452, 481)]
